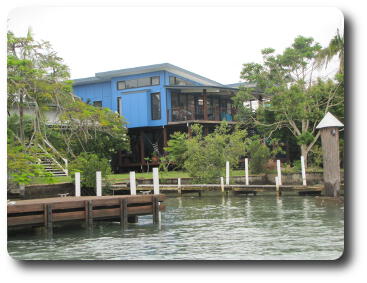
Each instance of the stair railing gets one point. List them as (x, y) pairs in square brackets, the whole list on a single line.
[(64, 169)]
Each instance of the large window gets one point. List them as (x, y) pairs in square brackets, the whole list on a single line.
[(178, 81), (141, 82), (156, 105)]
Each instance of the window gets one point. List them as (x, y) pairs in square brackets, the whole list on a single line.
[(178, 81), (121, 85), (131, 83), (156, 105), (97, 103), (155, 80), (144, 81), (141, 82), (119, 106)]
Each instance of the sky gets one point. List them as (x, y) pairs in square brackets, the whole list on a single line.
[(211, 41)]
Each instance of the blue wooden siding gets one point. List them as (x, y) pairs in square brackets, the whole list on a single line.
[(136, 102), (95, 92)]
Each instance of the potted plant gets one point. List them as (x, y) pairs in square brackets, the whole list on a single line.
[(155, 157)]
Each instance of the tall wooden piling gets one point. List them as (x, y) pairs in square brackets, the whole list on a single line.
[(227, 172), (329, 132), (123, 212), (246, 171), (279, 172), (77, 184), (303, 168), (222, 184), (179, 186), (155, 181), (99, 183), (132, 183)]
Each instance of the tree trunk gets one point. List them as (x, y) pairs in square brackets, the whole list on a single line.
[(304, 153), (21, 118)]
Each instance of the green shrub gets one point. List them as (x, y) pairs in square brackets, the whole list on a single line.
[(259, 154), (87, 164)]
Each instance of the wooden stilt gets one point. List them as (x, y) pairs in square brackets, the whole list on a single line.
[(123, 212), (155, 210)]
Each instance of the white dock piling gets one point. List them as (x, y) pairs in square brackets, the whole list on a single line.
[(132, 183), (222, 184), (246, 171), (279, 173), (156, 181), (227, 172), (77, 184), (99, 183), (179, 185), (304, 182), (277, 185)]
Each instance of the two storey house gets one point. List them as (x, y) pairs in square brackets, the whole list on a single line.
[(157, 100)]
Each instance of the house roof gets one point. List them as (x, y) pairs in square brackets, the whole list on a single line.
[(329, 121), (106, 76)]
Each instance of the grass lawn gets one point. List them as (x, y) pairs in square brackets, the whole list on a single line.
[(125, 176), (117, 177)]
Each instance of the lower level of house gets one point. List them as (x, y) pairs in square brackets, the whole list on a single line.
[(148, 143)]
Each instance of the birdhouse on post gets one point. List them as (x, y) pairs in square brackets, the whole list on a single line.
[(329, 132)]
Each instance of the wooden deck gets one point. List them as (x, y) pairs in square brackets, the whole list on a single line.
[(45, 212), (217, 187)]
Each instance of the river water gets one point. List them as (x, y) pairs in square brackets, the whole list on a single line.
[(212, 227)]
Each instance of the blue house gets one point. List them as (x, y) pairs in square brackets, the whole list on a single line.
[(157, 100)]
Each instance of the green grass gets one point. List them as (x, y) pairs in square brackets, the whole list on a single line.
[(125, 176)]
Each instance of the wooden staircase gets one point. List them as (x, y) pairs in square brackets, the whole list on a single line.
[(51, 166), (52, 161)]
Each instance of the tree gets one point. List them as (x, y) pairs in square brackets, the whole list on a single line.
[(335, 48), (176, 149), (297, 100), (205, 157), (37, 78)]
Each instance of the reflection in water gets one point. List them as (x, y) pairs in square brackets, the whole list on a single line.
[(210, 227)]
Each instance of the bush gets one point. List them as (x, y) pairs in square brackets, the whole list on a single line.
[(87, 164), (206, 156), (259, 155)]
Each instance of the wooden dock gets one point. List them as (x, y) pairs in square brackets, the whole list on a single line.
[(46, 212), (238, 189)]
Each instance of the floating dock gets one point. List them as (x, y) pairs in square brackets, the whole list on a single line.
[(46, 212)]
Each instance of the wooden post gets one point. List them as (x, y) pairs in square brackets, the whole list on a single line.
[(304, 182), (123, 212), (90, 212), (330, 151), (142, 150), (99, 183), (155, 205), (164, 136), (155, 181), (77, 184), (277, 188), (246, 171), (279, 172), (205, 105), (227, 172), (222, 184), (179, 186), (132, 183)]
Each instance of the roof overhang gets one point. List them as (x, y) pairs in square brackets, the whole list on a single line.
[(106, 76)]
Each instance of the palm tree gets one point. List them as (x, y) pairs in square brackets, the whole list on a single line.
[(335, 48)]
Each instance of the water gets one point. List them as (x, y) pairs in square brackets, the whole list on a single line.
[(212, 227)]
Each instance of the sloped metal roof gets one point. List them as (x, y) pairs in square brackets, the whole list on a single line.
[(329, 121)]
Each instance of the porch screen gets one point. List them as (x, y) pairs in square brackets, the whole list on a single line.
[(156, 105)]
